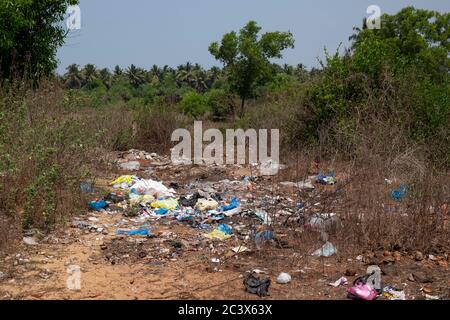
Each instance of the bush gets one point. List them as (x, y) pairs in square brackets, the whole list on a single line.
[(194, 104)]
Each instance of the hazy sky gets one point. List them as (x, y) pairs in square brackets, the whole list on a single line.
[(172, 32)]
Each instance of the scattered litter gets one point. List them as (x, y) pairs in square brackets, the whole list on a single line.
[(217, 235), (399, 194), (205, 204), (130, 166), (264, 217), (86, 187), (328, 179), (169, 204), (393, 294), (263, 236), (233, 205), (30, 241), (138, 232), (256, 286), (430, 297), (327, 250), (225, 228), (284, 278), (240, 249), (340, 282), (98, 204)]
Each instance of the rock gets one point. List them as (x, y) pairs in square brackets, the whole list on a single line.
[(30, 241), (418, 256), (130, 166), (443, 263), (389, 259), (427, 290), (284, 278), (350, 272), (389, 269), (387, 253), (3, 276), (422, 277)]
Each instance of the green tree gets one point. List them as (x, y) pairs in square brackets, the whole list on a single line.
[(136, 76), (73, 78), (412, 37), (30, 34), (246, 57)]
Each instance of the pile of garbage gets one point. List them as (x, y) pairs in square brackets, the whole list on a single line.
[(148, 199)]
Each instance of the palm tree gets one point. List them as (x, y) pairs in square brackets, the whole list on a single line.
[(73, 77), (117, 71), (105, 77), (89, 75), (136, 76)]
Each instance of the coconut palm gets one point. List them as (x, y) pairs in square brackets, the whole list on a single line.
[(136, 76), (73, 77), (89, 75)]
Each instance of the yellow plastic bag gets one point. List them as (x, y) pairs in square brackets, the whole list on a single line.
[(217, 235), (123, 179), (205, 205), (169, 204), (145, 199)]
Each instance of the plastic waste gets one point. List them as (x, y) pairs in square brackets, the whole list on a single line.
[(339, 282), (86, 187), (98, 205), (217, 235), (284, 278), (324, 222), (263, 236), (399, 194), (205, 205), (255, 285), (161, 211), (328, 179), (151, 187), (233, 212), (169, 204), (233, 205), (327, 250), (361, 291), (393, 294), (137, 232), (240, 249), (124, 182), (30, 241), (264, 217), (225, 228), (130, 166), (142, 200), (115, 197), (190, 201)]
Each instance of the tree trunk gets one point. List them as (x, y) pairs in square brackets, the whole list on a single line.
[(242, 107)]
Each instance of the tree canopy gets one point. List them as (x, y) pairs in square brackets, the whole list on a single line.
[(30, 34), (246, 57)]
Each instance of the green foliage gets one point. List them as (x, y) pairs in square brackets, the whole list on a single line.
[(30, 34), (194, 104), (246, 57), (412, 36)]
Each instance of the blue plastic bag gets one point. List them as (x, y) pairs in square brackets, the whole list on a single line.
[(161, 211), (138, 232), (233, 205), (98, 205), (225, 228)]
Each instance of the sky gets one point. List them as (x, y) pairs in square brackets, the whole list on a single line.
[(172, 32)]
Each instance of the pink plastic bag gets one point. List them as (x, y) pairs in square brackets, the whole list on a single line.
[(362, 291)]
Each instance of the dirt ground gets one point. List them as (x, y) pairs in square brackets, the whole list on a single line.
[(177, 262)]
